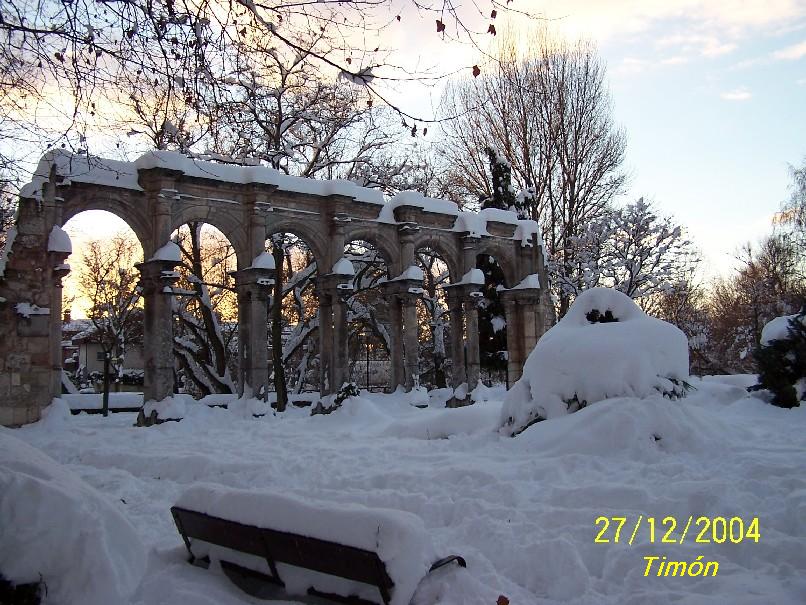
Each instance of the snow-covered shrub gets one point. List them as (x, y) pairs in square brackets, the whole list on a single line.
[(781, 360), (348, 389), (333, 402), (604, 347), (58, 530)]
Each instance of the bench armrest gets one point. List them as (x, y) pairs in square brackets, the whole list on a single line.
[(449, 559)]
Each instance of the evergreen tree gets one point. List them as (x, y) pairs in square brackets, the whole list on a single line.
[(492, 329), (782, 364)]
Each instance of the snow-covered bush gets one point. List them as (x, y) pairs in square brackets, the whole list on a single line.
[(604, 347), (56, 529), (781, 359), (333, 402)]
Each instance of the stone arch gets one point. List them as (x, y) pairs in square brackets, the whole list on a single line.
[(311, 236), (504, 257), (231, 226), (109, 202), (447, 249), (372, 236)]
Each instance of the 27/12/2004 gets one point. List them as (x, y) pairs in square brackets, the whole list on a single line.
[(703, 529)]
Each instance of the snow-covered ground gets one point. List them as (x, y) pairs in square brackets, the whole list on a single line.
[(521, 510)]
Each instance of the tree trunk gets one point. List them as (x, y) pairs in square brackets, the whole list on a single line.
[(277, 329)]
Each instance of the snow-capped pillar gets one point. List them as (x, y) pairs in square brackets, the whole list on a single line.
[(458, 373), (411, 341), (341, 336), (252, 286), (473, 354), (398, 377), (515, 358), (156, 280), (524, 326), (325, 344), (338, 286)]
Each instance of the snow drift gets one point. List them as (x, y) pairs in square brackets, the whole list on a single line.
[(604, 347), (57, 529)]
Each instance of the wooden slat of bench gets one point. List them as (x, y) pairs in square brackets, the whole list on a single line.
[(323, 556), (327, 557), (230, 534)]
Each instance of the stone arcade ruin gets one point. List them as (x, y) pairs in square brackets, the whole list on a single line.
[(163, 190)]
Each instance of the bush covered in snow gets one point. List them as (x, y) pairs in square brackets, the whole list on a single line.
[(56, 529), (781, 359), (604, 347)]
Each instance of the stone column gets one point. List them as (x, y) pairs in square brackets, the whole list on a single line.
[(156, 280), (458, 372), (411, 342), (529, 319), (396, 342), (341, 336), (325, 345), (59, 270), (252, 287), (472, 353), (514, 350)]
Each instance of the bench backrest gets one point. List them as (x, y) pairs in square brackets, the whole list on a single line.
[(282, 547)]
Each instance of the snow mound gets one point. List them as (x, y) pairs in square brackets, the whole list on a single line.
[(170, 408), (445, 423), (778, 328), (399, 537), (631, 428), (604, 347), (56, 528)]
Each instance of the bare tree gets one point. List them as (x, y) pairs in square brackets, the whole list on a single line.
[(631, 249), (108, 280), (767, 284), (793, 214), (205, 326), (548, 113)]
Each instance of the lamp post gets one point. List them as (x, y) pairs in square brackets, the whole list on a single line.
[(366, 346)]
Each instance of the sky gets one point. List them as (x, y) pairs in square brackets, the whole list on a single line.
[(711, 96)]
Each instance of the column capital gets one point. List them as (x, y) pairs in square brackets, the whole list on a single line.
[(156, 275), (254, 276), (462, 293), (521, 296), (332, 288)]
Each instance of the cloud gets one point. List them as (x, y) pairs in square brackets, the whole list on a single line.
[(676, 60), (702, 44), (630, 66), (614, 18), (737, 94), (791, 53)]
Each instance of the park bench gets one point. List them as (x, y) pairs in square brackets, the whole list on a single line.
[(243, 544)]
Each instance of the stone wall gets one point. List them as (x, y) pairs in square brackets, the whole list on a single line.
[(30, 305)]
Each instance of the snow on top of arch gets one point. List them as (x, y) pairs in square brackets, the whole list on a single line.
[(418, 200), (80, 168), (235, 173)]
